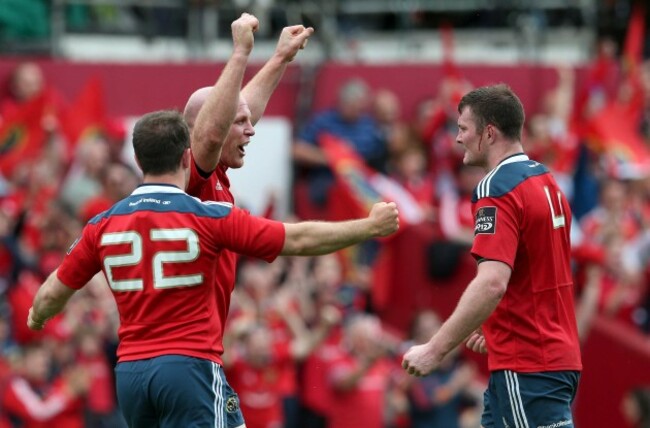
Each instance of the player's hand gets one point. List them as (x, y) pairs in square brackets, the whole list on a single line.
[(291, 40), (242, 33), (34, 324), (420, 360), (476, 342), (385, 217)]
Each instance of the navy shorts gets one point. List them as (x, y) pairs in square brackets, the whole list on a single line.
[(530, 400), (174, 391)]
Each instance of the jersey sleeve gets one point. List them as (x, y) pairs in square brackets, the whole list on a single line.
[(81, 262), (496, 229), (198, 179), (251, 236)]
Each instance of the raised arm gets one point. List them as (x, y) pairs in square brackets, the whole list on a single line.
[(312, 238), (48, 302), (210, 111), (258, 91)]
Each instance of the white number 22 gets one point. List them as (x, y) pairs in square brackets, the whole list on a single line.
[(159, 259)]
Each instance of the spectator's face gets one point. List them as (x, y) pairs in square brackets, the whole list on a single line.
[(27, 82), (354, 100), (614, 196), (259, 347), (386, 107), (471, 139), (426, 324), (258, 280), (120, 182), (327, 272), (364, 336), (241, 131), (37, 364), (412, 164)]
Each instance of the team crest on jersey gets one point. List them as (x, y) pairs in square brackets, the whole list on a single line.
[(232, 404), (486, 220), (218, 186), (74, 244)]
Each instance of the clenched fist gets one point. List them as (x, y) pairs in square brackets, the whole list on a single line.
[(385, 218), (242, 33)]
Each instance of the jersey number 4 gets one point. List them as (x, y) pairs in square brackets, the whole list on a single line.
[(558, 219), (160, 280)]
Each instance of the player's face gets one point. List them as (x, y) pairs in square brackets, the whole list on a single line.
[(241, 131), (471, 139)]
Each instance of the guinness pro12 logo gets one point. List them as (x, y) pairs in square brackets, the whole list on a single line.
[(486, 220)]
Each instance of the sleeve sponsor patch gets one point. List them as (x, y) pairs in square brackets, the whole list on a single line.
[(486, 220)]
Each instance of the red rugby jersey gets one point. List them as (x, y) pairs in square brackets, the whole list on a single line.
[(157, 249), (216, 187), (523, 220)]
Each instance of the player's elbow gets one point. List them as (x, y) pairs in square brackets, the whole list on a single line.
[(296, 246), (494, 277), (297, 241), (495, 288)]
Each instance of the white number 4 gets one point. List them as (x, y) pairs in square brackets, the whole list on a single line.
[(558, 220), (159, 259)]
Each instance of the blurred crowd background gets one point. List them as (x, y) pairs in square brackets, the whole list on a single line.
[(317, 342)]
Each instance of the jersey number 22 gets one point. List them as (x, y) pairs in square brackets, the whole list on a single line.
[(160, 280)]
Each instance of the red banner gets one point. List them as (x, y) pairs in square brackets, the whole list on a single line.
[(22, 136), (613, 134), (360, 187), (86, 115)]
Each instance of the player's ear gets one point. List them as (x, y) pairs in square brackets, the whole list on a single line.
[(186, 159), (137, 162), (490, 131)]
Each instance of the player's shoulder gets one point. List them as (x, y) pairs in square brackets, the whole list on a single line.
[(165, 200), (509, 174)]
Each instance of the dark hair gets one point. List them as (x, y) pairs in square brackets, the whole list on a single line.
[(159, 140), (496, 105)]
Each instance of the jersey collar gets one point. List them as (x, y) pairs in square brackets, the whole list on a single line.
[(143, 189), (517, 157)]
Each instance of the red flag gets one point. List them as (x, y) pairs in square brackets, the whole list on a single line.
[(359, 187), (614, 135), (22, 135), (634, 40), (86, 115), (449, 67)]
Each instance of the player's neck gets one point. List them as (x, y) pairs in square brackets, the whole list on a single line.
[(175, 179), (506, 150)]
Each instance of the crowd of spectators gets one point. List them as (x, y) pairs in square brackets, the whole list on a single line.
[(304, 347)]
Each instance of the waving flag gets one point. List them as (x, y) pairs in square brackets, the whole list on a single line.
[(615, 136), (22, 136), (86, 116), (360, 187), (634, 40)]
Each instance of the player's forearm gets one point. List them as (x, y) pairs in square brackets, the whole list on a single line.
[(476, 304), (313, 238), (258, 91), (217, 114), (49, 301)]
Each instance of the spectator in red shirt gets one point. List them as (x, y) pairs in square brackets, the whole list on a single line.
[(34, 401), (101, 405), (360, 376)]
